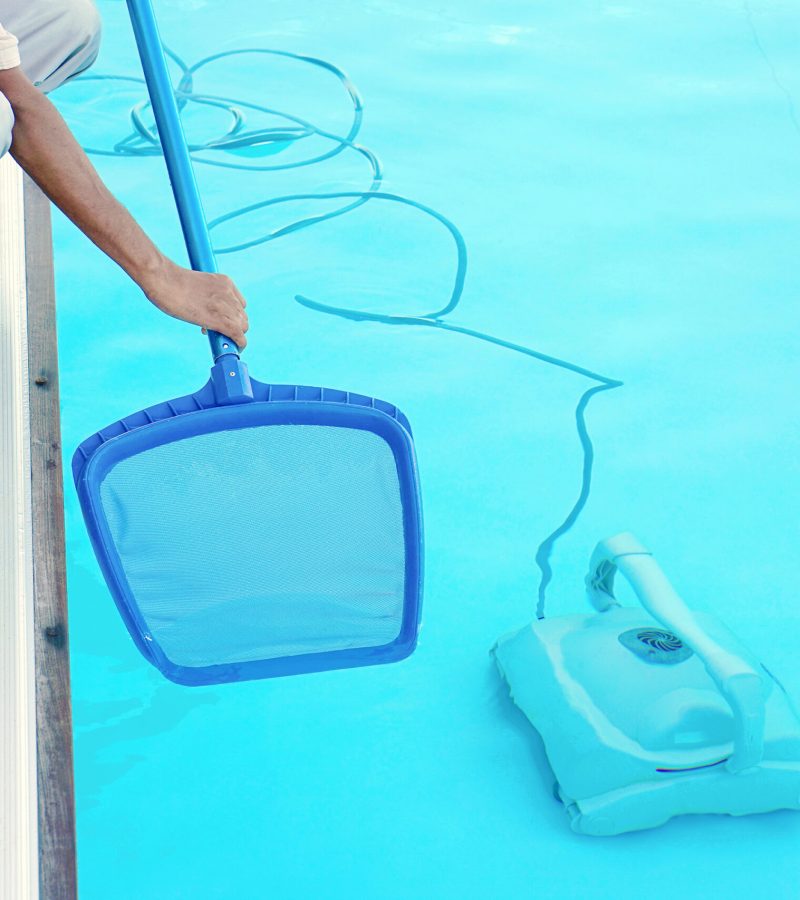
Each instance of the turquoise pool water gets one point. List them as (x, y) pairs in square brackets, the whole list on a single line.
[(626, 177)]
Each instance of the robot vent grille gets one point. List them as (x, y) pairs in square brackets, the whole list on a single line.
[(661, 640), (652, 645)]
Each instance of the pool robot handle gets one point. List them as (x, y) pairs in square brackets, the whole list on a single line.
[(737, 680)]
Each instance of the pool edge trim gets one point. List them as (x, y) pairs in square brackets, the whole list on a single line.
[(54, 757), (19, 847)]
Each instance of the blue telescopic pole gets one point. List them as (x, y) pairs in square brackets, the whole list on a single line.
[(176, 153)]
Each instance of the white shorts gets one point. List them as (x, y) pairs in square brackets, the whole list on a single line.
[(57, 40)]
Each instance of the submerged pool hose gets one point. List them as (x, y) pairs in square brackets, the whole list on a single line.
[(257, 143)]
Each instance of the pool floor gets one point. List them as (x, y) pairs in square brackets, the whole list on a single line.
[(626, 179)]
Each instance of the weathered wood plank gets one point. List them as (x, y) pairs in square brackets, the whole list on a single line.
[(57, 867)]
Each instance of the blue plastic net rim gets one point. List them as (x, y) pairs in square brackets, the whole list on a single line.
[(92, 470), (302, 664), (205, 399), (218, 418)]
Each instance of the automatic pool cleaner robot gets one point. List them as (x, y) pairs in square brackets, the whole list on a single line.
[(648, 713)]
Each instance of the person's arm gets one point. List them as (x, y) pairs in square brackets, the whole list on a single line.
[(44, 147)]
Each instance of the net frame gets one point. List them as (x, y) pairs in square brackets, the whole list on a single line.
[(201, 413)]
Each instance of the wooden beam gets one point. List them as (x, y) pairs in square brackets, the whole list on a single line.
[(57, 867)]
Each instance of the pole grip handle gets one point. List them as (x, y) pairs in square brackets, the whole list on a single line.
[(176, 152)]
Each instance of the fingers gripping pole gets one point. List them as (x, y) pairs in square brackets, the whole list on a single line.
[(736, 679)]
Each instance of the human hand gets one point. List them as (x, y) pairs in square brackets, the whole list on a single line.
[(47, 150), (207, 299)]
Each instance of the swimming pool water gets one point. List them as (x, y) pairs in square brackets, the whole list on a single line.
[(626, 177)]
